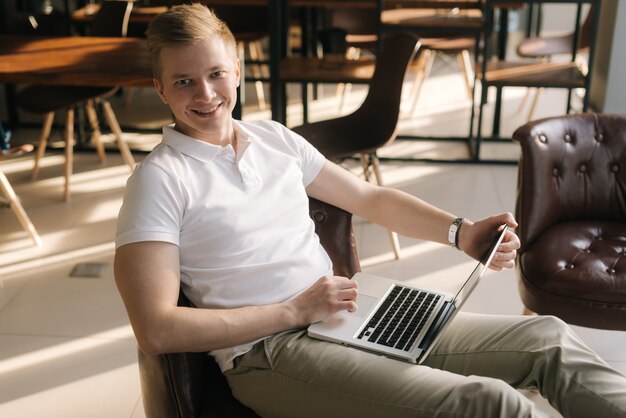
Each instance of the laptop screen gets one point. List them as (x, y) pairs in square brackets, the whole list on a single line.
[(472, 280)]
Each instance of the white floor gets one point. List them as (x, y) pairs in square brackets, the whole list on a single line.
[(66, 349)]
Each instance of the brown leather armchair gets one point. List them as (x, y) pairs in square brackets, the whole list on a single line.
[(187, 385), (571, 209)]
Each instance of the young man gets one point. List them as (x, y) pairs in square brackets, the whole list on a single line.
[(221, 208)]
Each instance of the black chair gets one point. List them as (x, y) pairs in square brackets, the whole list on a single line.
[(111, 21), (375, 123), (190, 385)]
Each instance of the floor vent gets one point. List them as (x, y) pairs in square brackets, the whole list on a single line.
[(88, 270)]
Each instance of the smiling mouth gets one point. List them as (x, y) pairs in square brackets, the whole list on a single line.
[(206, 112)]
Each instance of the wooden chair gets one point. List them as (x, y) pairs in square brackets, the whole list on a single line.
[(111, 21), (442, 31), (374, 124), (543, 48), (362, 27), (503, 73), (432, 47), (571, 210), (11, 199), (190, 385)]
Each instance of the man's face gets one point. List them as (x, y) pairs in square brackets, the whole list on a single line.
[(199, 84)]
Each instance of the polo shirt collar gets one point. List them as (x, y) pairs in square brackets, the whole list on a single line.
[(202, 150)]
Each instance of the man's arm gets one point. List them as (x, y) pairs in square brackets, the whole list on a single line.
[(410, 216), (147, 276)]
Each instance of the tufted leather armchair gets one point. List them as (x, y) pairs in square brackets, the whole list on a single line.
[(571, 209), (190, 385)]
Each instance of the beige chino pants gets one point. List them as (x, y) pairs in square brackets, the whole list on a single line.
[(473, 372)]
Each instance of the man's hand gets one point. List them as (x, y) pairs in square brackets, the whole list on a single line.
[(328, 295), (475, 239)]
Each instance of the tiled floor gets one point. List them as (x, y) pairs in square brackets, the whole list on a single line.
[(66, 349)]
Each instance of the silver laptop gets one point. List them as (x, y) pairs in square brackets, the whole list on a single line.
[(397, 320)]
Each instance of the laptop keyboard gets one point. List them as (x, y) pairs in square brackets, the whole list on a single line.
[(400, 318)]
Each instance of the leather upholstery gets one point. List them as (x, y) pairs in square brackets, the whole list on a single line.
[(571, 209), (187, 385)]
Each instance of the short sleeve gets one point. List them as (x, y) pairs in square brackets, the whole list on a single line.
[(152, 209), (312, 160)]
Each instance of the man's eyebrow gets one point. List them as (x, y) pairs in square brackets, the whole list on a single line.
[(217, 67), (179, 75)]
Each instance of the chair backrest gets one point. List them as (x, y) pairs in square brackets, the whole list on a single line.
[(587, 28), (374, 123), (355, 21), (191, 384), (379, 113), (112, 19), (245, 21), (571, 168), (544, 46), (333, 41)]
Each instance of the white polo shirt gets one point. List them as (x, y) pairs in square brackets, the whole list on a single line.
[(241, 221)]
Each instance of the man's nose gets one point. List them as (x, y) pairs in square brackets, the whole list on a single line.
[(205, 90)]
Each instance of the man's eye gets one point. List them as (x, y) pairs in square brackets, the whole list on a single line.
[(218, 74), (183, 82)]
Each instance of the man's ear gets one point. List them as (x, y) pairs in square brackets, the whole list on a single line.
[(238, 71), (159, 89)]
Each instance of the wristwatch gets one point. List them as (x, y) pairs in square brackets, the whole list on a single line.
[(453, 232)]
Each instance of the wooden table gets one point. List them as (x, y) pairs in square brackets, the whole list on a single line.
[(75, 61)]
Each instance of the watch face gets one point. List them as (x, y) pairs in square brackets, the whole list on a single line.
[(453, 231)]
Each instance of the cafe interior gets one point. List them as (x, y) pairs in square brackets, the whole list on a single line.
[(499, 106)]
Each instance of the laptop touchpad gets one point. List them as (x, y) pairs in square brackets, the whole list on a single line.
[(366, 303)]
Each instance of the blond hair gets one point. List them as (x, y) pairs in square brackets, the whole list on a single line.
[(185, 24)]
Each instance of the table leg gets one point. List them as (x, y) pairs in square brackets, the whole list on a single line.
[(11, 102), (503, 36), (278, 39)]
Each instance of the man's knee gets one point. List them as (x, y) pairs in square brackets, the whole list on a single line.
[(488, 397), (551, 333)]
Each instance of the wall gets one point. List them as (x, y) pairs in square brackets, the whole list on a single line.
[(559, 18), (608, 83)]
